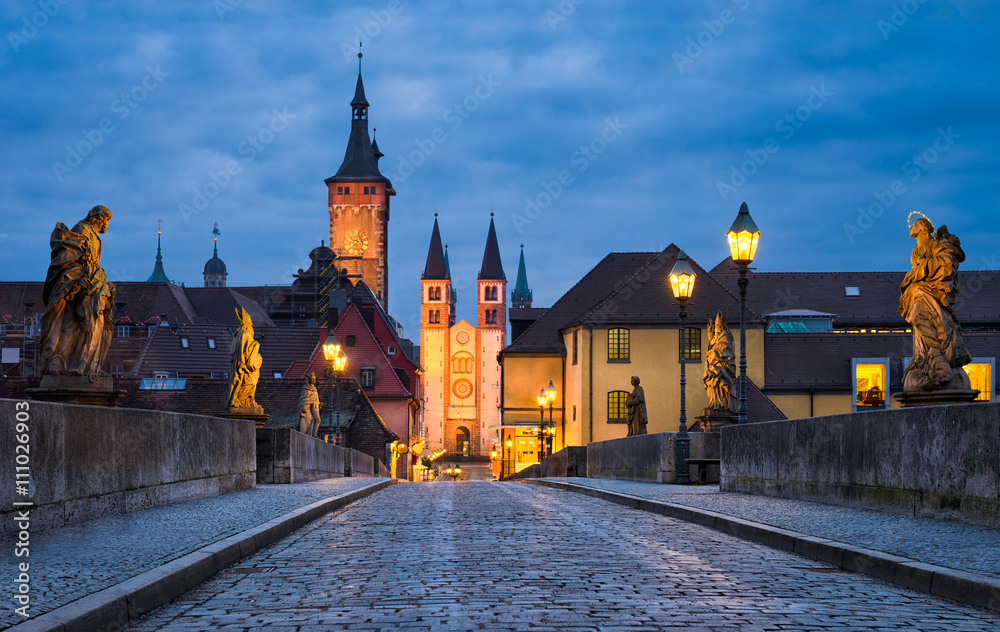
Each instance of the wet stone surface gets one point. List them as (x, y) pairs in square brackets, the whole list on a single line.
[(954, 545), (512, 556), (71, 562)]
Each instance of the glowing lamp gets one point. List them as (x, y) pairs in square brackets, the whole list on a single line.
[(542, 398), (743, 236), (550, 392), (331, 349), (682, 277)]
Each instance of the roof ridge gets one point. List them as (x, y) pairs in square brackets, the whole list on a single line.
[(567, 293)]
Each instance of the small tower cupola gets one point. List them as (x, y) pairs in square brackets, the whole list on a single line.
[(158, 276), (521, 296), (215, 269)]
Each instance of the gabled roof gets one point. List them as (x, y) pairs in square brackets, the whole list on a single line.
[(436, 267), (602, 280), (646, 298), (492, 267), (218, 305), (366, 352)]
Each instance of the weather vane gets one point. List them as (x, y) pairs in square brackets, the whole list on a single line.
[(216, 232), (159, 222)]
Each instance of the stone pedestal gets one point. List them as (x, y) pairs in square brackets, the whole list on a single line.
[(907, 399), (711, 420), (77, 389), (254, 413)]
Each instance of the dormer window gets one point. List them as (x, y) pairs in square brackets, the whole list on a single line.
[(852, 290)]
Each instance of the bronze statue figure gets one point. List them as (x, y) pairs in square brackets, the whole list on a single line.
[(636, 404), (309, 418), (77, 325), (244, 365), (719, 375), (927, 300)]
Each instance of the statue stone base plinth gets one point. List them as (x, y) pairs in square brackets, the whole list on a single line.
[(711, 420), (907, 399), (254, 413), (77, 389)]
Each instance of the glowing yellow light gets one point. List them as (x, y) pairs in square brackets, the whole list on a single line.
[(682, 277), (743, 236), (542, 398), (550, 392)]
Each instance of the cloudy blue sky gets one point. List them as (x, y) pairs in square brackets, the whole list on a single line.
[(660, 118)]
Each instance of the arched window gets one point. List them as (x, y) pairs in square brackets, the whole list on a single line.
[(618, 344), (617, 411), (437, 294), (437, 316), (462, 363), (494, 317)]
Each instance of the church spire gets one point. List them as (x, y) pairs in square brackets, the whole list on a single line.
[(360, 161), (158, 276), (521, 296), (492, 267), (436, 266)]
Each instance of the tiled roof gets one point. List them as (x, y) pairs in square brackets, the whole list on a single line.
[(602, 280), (823, 360), (142, 300), (878, 301), (218, 305), (280, 347), (646, 298), (526, 313), (759, 406)]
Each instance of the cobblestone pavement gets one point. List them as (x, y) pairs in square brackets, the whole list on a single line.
[(510, 556), (70, 562), (954, 545)]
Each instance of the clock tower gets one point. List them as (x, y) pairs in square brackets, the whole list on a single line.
[(358, 204)]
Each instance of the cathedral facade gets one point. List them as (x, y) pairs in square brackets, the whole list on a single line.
[(461, 379)]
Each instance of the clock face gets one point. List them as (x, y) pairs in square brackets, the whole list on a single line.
[(356, 242)]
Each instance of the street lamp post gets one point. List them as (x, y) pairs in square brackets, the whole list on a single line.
[(541, 399), (510, 446), (682, 278), (336, 361), (743, 236), (550, 395)]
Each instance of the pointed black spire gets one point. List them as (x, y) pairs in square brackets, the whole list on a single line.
[(492, 266), (360, 162), (436, 266), (375, 152), (158, 276)]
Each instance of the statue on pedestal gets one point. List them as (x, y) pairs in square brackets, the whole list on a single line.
[(636, 404), (719, 377), (927, 300), (309, 418), (77, 325), (244, 370)]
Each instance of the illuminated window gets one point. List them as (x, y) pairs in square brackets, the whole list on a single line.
[(871, 377), (618, 345), (981, 375), (617, 411), (692, 343)]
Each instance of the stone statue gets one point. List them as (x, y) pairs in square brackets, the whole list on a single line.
[(719, 376), (244, 368), (636, 404), (77, 325), (927, 299), (309, 418)]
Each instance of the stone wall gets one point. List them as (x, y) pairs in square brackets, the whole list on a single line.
[(87, 462), (940, 461), (649, 458), (285, 455), (570, 461)]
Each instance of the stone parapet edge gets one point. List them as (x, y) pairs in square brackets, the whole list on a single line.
[(118, 605), (960, 586)]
